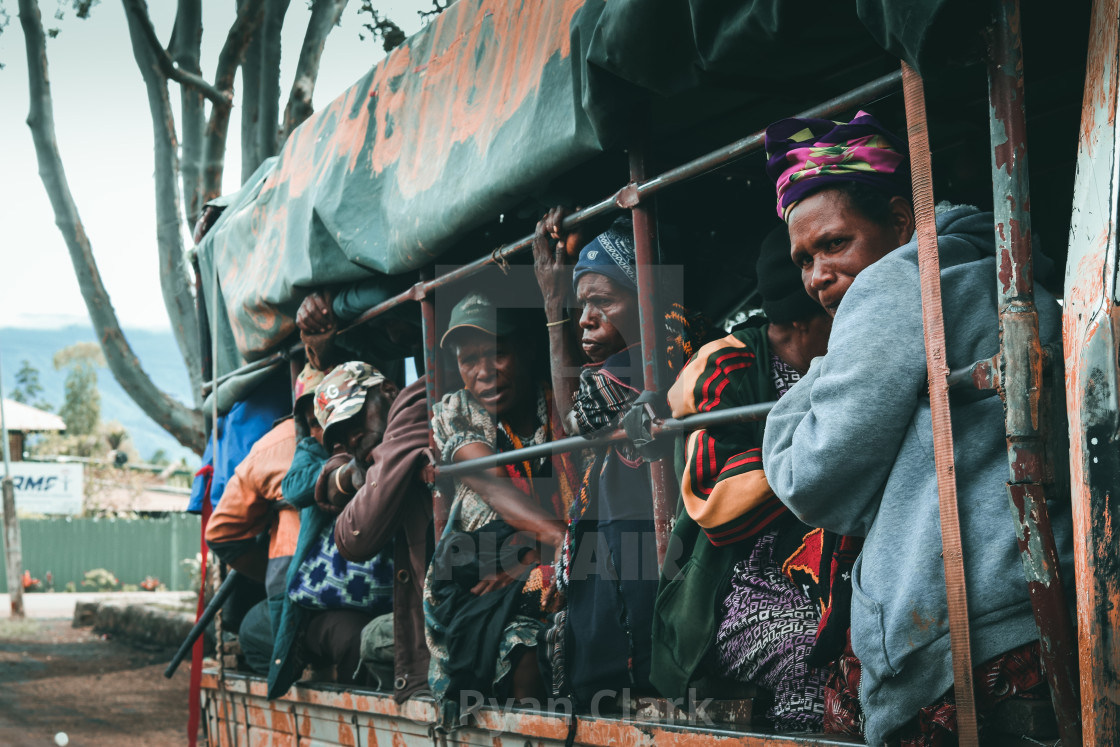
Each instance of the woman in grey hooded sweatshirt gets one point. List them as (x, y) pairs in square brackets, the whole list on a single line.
[(850, 448)]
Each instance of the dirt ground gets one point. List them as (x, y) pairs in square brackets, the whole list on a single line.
[(54, 678)]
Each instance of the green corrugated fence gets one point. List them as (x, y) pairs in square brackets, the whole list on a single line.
[(130, 548)]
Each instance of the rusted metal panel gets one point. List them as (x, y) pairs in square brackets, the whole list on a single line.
[(328, 715), (1091, 322), (1021, 369), (270, 727), (325, 727), (235, 729)]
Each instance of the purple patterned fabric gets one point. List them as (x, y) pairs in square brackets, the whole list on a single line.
[(768, 629), (783, 375), (807, 154)]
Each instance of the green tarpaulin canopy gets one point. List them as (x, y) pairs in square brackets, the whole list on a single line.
[(492, 101)]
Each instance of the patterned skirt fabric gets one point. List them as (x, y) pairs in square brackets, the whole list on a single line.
[(768, 629), (1015, 674)]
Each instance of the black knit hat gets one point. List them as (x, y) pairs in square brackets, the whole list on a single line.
[(784, 298)]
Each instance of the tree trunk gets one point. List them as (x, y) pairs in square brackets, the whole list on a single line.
[(174, 275), (260, 99), (249, 16), (325, 15), (184, 423), (251, 99), (186, 51), (268, 127)]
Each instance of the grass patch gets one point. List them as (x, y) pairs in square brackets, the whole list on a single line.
[(13, 629)]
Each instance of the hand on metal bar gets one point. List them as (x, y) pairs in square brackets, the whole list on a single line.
[(639, 422)]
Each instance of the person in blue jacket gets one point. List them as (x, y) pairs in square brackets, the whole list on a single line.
[(849, 448)]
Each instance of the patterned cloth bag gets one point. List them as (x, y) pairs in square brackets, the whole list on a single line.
[(327, 581)]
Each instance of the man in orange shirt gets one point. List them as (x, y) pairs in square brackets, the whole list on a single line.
[(251, 511)]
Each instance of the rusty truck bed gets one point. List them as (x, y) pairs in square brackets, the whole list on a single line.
[(239, 713)]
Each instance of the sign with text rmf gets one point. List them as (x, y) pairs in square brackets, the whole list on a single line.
[(47, 488)]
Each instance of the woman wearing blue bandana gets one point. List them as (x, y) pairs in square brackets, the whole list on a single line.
[(607, 566)]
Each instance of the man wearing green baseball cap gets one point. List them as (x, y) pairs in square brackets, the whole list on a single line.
[(476, 312), (504, 404)]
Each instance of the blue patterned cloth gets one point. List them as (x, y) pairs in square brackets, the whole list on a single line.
[(327, 581), (611, 253)]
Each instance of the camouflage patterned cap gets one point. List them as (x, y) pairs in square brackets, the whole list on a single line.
[(306, 382), (342, 394)]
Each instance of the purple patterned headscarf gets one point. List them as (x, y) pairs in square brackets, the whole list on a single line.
[(805, 155)]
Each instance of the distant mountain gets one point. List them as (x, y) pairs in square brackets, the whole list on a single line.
[(158, 354)]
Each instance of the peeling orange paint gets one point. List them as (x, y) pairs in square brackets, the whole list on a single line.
[(484, 60), (379, 717), (1087, 325), (456, 83), (1100, 71)]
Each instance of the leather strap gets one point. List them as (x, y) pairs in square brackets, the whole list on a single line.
[(929, 270)]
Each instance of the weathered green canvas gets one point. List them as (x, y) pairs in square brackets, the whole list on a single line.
[(495, 99)]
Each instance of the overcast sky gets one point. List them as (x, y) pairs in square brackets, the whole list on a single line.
[(105, 136)]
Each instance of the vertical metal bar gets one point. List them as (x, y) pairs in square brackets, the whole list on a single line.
[(203, 322), (213, 312), (13, 554), (645, 238), (933, 322), (1091, 330), (1020, 365), (441, 505), (216, 452)]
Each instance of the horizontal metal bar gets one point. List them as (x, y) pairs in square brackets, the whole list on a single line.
[(381, 308), (503, 253), (864, 94), (297, 348), (273, 360), (572, 443), (985, 374), (745, 414), (630, 195), (982, 375), (625, 198)]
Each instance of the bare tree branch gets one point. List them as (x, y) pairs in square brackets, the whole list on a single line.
[(197, 82), (268, 129), (182, 422), (325, 15), (174, 273), (5, 19), (251, 99), (260, 94), (186, 49), (381, 27), (249, 16), (168, 67), (437, 8)]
